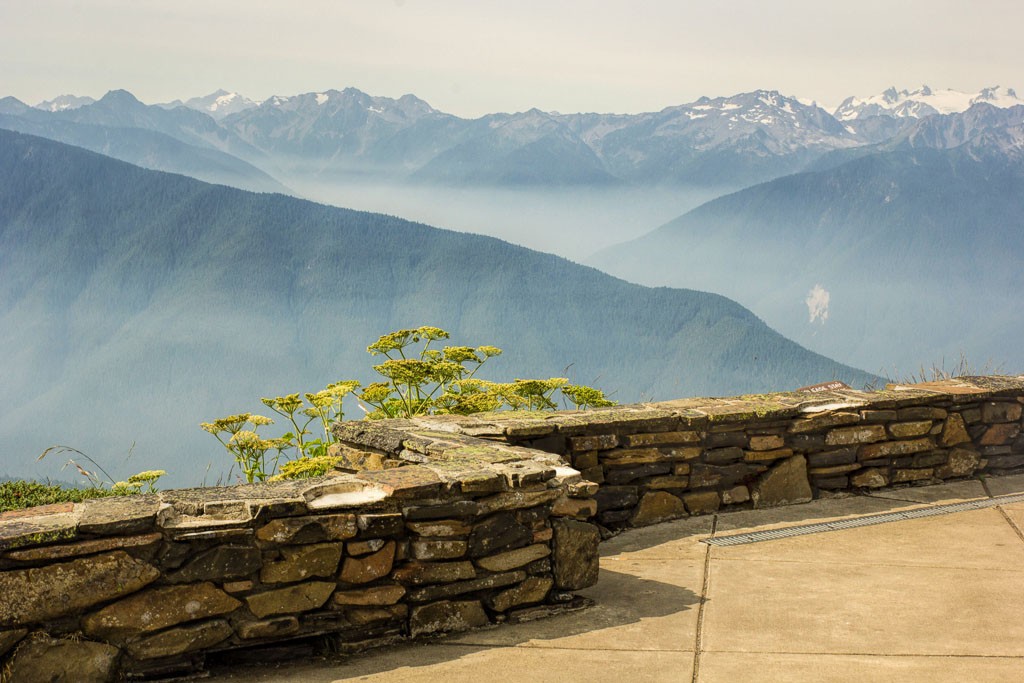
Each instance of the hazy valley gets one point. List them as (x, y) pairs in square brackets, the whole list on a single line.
[(134, 304)]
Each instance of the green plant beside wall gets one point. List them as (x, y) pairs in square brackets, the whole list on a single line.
[(417, 379)]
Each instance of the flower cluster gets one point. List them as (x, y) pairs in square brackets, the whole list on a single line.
[(416, 380)]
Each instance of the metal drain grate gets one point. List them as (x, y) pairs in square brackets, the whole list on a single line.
[(868, 520)]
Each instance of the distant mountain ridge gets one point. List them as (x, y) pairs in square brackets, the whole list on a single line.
[(891, 256), (149, 302), (350, 136)]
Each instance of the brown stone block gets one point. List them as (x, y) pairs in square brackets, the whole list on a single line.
[(784, 484), (600, 442), (726, 439), (52, 591), (409, 482), (1005, 461), (1000, 434), (929, 459), (667, 482), (585, 460), (722, 456), (419, 573), (661, 439), (684, 453), (823, 421), (440, 527), (268, 628), (702, 502), (91, 547), (831, 483), (42, 658), (234, 587), (158, 608), (33, 527), (575, 554), (448, 590), (219, 563), (374, 595), (903, 430), (302, 562), (806, 442), (301, 597), (533, 590), (762, 456), (971, 415), (372, 615), (921, 413), (370, 545), (657, 506), (841, 456), (900, 476), (517, 499), (616, 497), (735, 495), (1000, 411), (634, 456), (954, 431), (617, 477), (446, 549), (447, 617), (310, 529), (703, 476), (574, 507), (960, 463), (833, 470), (768, 442), (894, 448), (368, 567), (872, 478), (513, 559), (845, 436), (878, 415), (180, 640), (499, 532)]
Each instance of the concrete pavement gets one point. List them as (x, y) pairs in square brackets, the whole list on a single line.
[(931, 599)]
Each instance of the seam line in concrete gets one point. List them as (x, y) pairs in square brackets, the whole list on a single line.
[(706, 584), (984, 485), (1009, 520)]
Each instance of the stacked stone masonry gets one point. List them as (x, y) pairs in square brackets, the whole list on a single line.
[(155, 586), (445, 523), (661, 461)]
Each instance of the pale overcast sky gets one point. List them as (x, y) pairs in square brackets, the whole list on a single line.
[(470, 57)]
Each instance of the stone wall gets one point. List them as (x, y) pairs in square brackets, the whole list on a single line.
[(152, 586), (667, 460), (444, 523)]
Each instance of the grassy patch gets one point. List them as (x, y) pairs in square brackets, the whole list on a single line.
[(15, 495)]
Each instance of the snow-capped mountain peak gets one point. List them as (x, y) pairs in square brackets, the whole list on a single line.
[(217, 104), (64, 102), (220, 103), (924, 101)]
